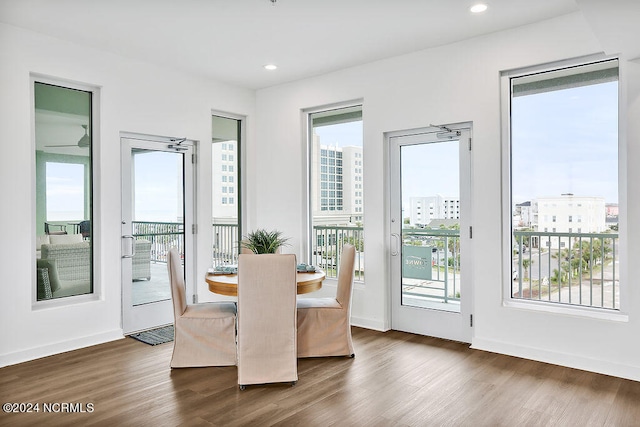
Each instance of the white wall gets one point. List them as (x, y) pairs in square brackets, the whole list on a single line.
[(455, 83), (135, 97)]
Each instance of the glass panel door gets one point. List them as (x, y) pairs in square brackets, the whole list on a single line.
[(155, 216), (429, 223)]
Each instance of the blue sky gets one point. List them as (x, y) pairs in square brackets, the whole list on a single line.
[(341, 135), (158, 194), (566, 141), (65, 191), (158, 184), (428, 170)]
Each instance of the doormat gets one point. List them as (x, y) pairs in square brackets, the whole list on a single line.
[(155, 336)]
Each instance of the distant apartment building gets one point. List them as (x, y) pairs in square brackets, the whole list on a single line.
[(526, 214), (336, 184), (571, 214), (425, 209)]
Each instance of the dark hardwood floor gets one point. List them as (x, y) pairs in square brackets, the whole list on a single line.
[(396, 379)]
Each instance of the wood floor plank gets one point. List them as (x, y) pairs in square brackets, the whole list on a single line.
[(396, 380), (625, 410)]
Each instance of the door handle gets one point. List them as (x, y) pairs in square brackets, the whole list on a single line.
[(395, 244), (133, 246)]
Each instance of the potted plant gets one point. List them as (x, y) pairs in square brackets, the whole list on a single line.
[(262, 241)]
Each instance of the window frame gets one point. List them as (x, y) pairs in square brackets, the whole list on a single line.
[(620, 314), (307, 158), (94, 200), (230, 168)]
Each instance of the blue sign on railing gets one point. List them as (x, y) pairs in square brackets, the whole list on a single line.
[(416, 262)]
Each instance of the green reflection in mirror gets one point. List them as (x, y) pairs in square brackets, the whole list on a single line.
[(64, 261)]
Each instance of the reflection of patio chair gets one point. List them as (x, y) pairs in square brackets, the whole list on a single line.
[(68, 268), (84, 228), (141, 262), (51, 228)]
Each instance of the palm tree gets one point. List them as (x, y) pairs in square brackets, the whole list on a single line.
[(525, 265)]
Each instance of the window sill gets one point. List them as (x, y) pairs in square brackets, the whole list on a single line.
[(64, 301), (565, 309)]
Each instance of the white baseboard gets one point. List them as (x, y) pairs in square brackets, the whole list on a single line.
[(368, 324), (605, 367), (59, 347)]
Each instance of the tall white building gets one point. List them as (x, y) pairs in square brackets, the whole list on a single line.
[(224, 182), (336, 184), (425, 209)]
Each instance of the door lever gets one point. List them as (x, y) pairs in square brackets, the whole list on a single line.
[(133, 246), (395, 244)]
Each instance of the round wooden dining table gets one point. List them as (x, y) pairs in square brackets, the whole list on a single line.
[(227, 284)]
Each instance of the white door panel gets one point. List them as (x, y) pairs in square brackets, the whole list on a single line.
[(430, 232), (157, 209)]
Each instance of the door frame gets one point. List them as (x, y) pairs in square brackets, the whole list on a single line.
[(145, 317), (464, 319)]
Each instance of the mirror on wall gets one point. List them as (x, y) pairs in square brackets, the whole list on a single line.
[(63, 143)]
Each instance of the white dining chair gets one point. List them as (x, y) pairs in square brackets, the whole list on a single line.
[(324, 324), (205, 333), (267, 319)]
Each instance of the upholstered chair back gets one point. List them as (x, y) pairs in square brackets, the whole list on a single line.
[(345, 275), (204, 333), (324, 323), (267, 350), (176, 277)]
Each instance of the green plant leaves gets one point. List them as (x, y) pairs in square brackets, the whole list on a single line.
[(262, 241)]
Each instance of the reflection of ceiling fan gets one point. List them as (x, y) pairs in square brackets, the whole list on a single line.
[(83, 142)]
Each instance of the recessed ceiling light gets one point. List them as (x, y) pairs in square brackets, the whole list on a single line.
[(270, 67), (477, 8)]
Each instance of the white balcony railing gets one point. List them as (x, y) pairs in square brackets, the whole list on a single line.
[(566, 268), (225, 244), (162, 235), (327, 248)]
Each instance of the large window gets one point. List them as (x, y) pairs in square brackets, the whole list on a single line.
[(563, 146), (225, 185), (64, 227), (336, 186)]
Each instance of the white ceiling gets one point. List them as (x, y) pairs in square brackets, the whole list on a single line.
[(616, 23), (231, 40)]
